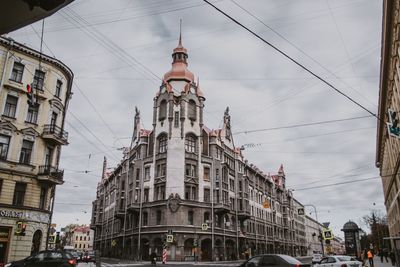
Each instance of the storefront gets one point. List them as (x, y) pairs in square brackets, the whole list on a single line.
[(22, 232)]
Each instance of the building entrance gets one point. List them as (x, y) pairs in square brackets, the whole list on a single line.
[(4, 243)]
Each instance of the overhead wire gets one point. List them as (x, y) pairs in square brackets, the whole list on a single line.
[(292, 60)]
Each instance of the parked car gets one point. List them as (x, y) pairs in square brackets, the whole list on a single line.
[(46, 258), (316, 258), (277, 260), (89, 257), (339, 261)]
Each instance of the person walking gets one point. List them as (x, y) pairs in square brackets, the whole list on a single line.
[(385, 254), (380, 254), (370, 258), (392, 257)]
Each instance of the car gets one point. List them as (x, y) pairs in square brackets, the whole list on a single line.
[(339, 261), (316, 258), (277, 260), (90, 256), (53, 258)]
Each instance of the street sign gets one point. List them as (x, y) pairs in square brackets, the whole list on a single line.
[(113, 243), (326, 224), (170, 238), (327, 234), (300, 211), (266, 204), (204, 226)]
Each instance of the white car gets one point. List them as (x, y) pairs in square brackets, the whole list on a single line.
[(339, 261)]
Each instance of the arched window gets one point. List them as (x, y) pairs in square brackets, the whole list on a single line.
[(190, 217), (162, 111), (192, 110), (190, 143), (162, 143)]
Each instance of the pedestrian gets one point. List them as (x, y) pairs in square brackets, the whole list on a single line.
[(153, 258), (392, 257), (370, 255), (385, 254), (380, 254)]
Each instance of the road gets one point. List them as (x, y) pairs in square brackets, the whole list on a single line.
[(170, 264)]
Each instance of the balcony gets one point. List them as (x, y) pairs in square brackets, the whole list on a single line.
[(119, 214), (221, 208), (50, 174), (133, 207), (55, 134), (244, 214)]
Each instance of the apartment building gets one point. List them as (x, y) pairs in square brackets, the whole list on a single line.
[(190, 188), (31, 137)]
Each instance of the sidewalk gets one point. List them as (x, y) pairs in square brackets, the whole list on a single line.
[(117, 262), (378, 263)]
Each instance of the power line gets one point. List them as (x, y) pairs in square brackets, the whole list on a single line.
[(302, 125), (293, 60), (303, 52), (335, 184)]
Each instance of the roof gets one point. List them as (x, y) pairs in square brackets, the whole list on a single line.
[(350, 225)]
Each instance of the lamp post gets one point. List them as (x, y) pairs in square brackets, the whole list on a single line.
[(319, 229)]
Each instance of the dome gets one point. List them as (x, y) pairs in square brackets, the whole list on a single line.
[(179, 70), (350, 226)]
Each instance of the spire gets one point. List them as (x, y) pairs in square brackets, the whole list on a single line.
[(179, 69), (199, 92), (180, 33)]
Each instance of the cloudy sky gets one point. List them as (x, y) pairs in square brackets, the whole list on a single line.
[(119, 49)]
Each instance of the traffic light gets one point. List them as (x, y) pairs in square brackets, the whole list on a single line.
[(21, 227), (31, 96), (392, 125)]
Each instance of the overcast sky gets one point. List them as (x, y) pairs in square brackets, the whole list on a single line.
[(119, 49)]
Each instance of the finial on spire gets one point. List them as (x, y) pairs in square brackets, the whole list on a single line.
[(180, 32)]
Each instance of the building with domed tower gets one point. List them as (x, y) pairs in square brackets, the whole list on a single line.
[(189, 188)]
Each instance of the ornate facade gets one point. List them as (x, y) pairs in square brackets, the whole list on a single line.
[(388, 145), (31, 137), (185, 181)]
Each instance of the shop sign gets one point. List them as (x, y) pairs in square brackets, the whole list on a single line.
[(11, 214)]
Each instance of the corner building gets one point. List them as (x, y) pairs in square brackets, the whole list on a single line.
[(30, 145), (183, 179), (387, 145)]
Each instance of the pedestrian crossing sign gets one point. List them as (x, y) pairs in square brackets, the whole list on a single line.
[(327, 234), (204, 226)]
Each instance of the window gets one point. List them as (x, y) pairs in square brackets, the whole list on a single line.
[(206, 176), (207, 196), (48, 156), (160, 170), (84, 239), (206, 217), (159, 215), (162, 112), (43, 195), (145, 218), (191, 170), (1, 185), (4, 144), (146, 195), (53, 119), (58, 88), (17, 71), (76, 238), (190, 143), (176, 119), (26, 152), (162, 144), (38, 80), (11, 106), (80, 238), (19, 194), (159, 192), (76, 245), (192, 110), (32, 115), (147, 173), (190, 217)]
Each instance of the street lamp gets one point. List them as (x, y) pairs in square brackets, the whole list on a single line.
[(319, 229)]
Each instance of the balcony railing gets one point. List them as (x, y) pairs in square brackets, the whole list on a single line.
[(55, 133), (51, 174)]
